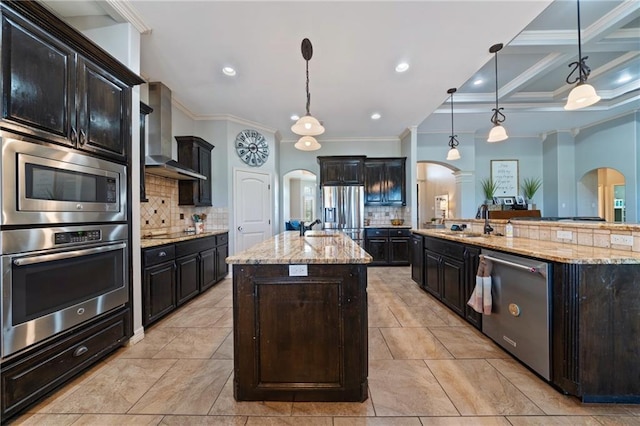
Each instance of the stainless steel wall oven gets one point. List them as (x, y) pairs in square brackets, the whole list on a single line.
[(55, 278), (58, 186)]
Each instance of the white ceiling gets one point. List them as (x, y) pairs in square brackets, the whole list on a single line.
[(356, 47)]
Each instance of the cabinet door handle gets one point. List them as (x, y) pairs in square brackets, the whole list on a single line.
[(83, 137), (80, 351), (74, 135)]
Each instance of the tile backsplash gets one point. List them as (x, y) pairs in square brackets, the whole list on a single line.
[(382, 215), (163, 214)]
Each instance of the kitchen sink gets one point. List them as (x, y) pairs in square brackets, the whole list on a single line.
[(319, 234), (464, 234)]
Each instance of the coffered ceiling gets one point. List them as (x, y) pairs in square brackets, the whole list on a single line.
[(357, 45)]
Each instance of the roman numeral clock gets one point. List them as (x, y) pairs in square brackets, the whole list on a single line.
[(252, 148)]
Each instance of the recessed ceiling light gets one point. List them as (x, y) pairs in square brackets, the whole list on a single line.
[(229, 71), (624, 78), (375, 116), (402, 67), (295, 117), (478, 81)]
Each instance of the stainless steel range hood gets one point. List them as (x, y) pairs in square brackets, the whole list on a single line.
[(158, 161)]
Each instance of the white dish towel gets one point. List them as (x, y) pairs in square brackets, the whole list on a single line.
[(480, 299)]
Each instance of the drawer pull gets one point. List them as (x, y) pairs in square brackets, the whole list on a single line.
[(80, 351), (162, 254)]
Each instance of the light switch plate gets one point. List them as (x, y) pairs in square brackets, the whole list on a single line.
[(564, 235), (298, 271), (622, 240)]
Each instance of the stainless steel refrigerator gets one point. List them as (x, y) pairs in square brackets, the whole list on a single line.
[(343, 209)]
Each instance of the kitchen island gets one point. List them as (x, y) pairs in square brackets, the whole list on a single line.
[(300, 319), (594, 298)]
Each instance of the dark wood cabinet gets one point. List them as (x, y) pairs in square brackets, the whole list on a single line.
[(27, 379), (176, 273), (61, 95), (275, 315), (195, 153), (385, 181), (432, 281), (471, 260), (452, 284), (144, 111), (388, 246), (417, 264), (341, 170)]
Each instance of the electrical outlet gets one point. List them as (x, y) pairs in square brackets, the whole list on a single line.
[(622, 240), (298, 271), (564, 235)]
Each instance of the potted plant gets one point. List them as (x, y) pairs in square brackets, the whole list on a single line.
[(529, 188), (489, 188)]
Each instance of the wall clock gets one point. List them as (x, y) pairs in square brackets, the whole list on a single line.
[(252, 148)]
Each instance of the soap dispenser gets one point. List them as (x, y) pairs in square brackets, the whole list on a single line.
[(509, 229)]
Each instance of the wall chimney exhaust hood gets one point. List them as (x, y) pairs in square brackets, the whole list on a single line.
[(158, 161)]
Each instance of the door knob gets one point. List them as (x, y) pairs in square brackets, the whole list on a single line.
[(240, 228)]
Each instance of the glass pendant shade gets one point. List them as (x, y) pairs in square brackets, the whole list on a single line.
[(498, 133), (307, 126), (307, 143), (453, 154), (581, 96)]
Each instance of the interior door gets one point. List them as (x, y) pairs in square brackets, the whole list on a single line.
[(252, 208)]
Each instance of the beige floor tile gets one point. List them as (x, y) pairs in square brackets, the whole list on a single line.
[(227, 405), (225, 350), (414, 343), (547, 398), (289, 421), (195, 317), (194, 343), (189, 387), (618, 420), (382, 317), (154, 341), (364, 408), (406, 388), (114, 389), (226, 302), (45, 419), (118, 420), (417, 316), (465, 421), (633, 409), (467, 343), (553, 420), (203, 421), (378, 348), (447, 316), (477, 388), (377, 421), (226, 320)]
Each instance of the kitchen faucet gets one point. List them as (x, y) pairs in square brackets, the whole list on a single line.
[(487, 228), (304, 228)]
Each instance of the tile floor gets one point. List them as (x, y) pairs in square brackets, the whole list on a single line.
[(426, 367)]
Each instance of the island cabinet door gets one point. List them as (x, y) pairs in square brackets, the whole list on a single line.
[(301, 338)]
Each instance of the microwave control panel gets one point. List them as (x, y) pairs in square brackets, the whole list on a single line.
[(77, 237)]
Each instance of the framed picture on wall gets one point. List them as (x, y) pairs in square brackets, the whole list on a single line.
[(504, 173)]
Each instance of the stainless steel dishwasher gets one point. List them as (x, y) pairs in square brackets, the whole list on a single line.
[(520, 315)]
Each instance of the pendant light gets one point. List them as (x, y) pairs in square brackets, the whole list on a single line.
[(453, 154), (307, 125), (307, 143), (583, 95), (498, 132)]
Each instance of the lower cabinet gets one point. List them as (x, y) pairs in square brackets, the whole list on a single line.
[(388, 246), (175, 273), (447, 270), (27, 378)]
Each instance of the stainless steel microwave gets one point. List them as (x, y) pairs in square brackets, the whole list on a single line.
[(43, 184)]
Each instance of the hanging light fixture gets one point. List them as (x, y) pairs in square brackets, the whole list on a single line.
[(583, 95), (498, 132), (307, 125), (307, 143), (453, 154)]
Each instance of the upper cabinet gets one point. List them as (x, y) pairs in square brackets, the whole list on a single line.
[(195, 153), (51, 89), (341, 170), (385, 182)]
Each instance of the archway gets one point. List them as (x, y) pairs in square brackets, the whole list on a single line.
[(601, 192), (436, 192), (299, 196)]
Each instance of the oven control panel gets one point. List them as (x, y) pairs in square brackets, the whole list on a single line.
[(77, 237)]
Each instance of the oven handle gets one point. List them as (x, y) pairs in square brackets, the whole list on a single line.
[(531, 269), (66, 255)]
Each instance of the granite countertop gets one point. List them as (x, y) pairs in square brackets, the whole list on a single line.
[(161, 239), (549, 250), (317, 247), (388, 226)]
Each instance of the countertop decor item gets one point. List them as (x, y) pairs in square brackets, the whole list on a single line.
[(529, 187), (489, 188), (397, 222)]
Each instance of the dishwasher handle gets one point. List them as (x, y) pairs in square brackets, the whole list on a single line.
[(531, 269)]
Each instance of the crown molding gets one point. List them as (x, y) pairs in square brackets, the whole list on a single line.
[(393, 139), (125, 9)]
